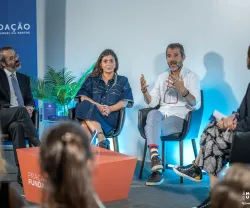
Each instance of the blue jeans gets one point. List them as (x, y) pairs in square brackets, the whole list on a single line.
[(157, 125)]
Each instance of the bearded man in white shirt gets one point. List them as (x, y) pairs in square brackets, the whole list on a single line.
[(176, 91)]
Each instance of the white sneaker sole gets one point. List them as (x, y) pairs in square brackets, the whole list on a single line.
[(155, 183), (156, 168), (185, 176)]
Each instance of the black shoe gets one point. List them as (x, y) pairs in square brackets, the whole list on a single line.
[(192, 172), (156, 164), (205, 204), (104, 144), (155, 179), (19, 178), (34, 141)]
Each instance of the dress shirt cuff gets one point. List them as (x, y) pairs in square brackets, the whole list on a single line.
[(152, 104), (32, 107)]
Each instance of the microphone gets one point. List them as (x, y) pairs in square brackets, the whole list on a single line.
[(179, 64)]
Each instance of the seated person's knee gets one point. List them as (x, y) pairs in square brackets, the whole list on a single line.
[(153, 114)]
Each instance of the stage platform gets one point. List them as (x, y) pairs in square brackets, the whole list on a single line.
[(170, 194)]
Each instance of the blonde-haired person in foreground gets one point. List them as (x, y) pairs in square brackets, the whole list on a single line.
[(234, 190), (67, 162), (9, 197)]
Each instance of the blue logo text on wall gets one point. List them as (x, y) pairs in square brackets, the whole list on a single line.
[(15, 29), (18, 30)]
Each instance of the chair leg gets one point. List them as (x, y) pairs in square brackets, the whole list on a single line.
[(194, 148), (143, 159), (181, 157), (163, 156), (115, 143)]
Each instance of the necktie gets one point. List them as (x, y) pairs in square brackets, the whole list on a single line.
[(17, 90)]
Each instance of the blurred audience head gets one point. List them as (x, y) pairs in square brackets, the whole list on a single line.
[(234, 189), (66, 162)]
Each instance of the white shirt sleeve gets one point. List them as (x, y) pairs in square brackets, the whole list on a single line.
[(155, 94), (194, 89)]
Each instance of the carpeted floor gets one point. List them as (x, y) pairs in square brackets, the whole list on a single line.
[(170, 194)]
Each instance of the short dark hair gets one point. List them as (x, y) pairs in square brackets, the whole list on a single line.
[(2, 58), (176, 45)]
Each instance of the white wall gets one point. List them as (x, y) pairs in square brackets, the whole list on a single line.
[(50, 34), (215, 35)]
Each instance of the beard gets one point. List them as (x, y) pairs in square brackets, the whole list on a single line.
[(175, 68), (14, 67)]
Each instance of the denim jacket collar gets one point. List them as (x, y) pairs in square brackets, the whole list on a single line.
[(114, 78)]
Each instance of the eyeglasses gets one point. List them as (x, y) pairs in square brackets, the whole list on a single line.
[(171, 96), (16, 56)]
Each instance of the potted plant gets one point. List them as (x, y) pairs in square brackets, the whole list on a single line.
[(58, 87)]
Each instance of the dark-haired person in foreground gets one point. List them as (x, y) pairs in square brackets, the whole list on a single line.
[(216, 143), (16, 103), (67, 163), (101, 97), (176, 91)]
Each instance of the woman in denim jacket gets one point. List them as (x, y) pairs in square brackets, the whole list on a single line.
[(101, 97)]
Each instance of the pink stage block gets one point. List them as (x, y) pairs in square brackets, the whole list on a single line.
[(112, 176)]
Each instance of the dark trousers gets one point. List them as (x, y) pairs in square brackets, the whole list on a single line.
[(17, 123)]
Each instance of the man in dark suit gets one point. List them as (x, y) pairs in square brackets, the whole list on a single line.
[(16, 103)]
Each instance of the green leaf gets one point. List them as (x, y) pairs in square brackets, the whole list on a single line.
[(59, 87)]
